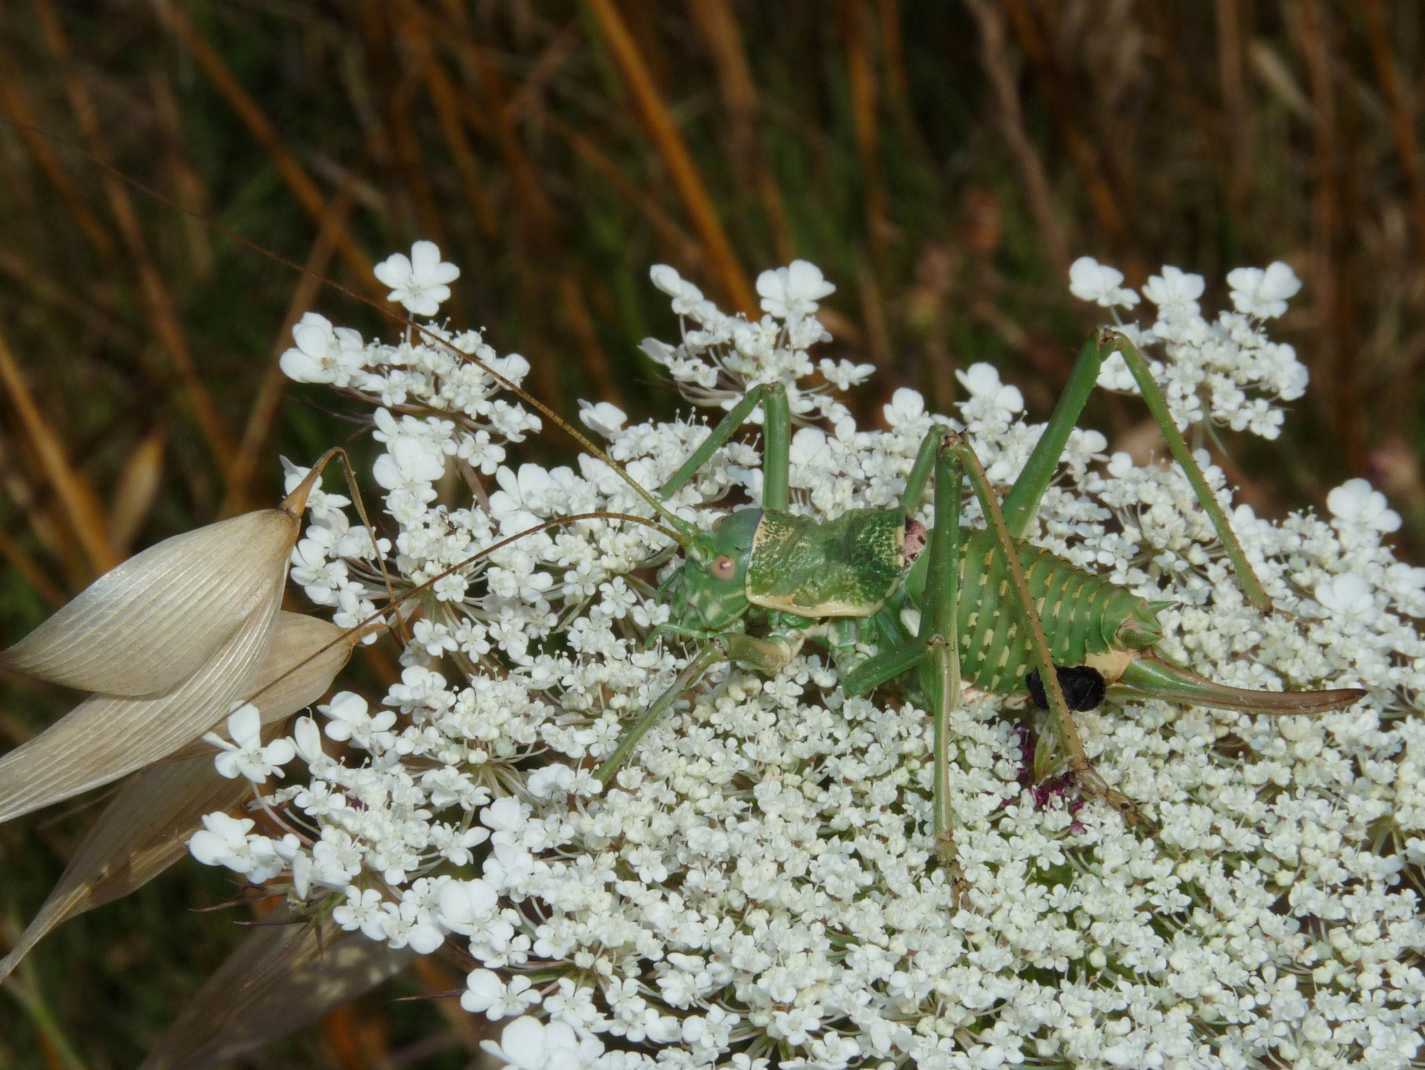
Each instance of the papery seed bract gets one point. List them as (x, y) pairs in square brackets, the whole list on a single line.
[(146, 828), (169, 640), (150, 623), (107, 736)]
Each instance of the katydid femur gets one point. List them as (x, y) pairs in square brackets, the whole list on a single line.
[(993, 609)]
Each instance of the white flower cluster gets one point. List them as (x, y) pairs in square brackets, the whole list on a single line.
[(1225, 370), (721, 356), (758, 888)]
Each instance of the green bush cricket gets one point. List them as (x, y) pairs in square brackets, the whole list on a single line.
[(993, 609)]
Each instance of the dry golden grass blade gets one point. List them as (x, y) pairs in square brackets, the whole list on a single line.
[(1031, 35), (145, 626), (162, 314), (717, 23), (488, 110), (445, 98), (16, 106), (48, 527), (1315, 31), (184, 177), (1278, 77), (1005, 81), (25, 566), (266, 405), (137, 489), (593, 357), (858, 35), (671, 233), (307, 192), (147, 826), (530, 101), (1231, 78), (873, 310), (106, 737), (61, 297), (492, 117), (281, 978), (81, 506), (893, 46), (1403, 118), (404, 111), (674, 153)]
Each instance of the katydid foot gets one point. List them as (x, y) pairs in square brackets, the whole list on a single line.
[(950, 862), (1093, 786)]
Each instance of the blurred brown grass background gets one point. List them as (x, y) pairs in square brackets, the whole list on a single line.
[(943, 163)]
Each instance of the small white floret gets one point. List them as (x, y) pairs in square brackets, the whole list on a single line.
[(1263, 293), (1357, 502), (419, 282), (246, 755), (792, 292), (1103, 285), (528, 1044)]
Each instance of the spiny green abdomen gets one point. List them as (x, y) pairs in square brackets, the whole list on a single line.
[(1083, 614)]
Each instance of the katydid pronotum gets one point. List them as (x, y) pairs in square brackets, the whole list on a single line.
[(993, 609)]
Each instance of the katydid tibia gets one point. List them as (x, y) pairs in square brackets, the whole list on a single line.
[(993, 609)]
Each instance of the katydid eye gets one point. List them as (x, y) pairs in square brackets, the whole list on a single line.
[(724, 568)]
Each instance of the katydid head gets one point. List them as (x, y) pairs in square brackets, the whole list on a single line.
[(709, 590)]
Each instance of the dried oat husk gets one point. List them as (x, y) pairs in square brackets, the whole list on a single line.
[(284, 976), (168, 641), (146, 828)]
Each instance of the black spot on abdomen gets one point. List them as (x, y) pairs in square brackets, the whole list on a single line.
[(1084, 687)]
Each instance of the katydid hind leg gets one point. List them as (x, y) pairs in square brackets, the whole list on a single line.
[(934, 651), (939, 634), (1157, 404), (1023, 499), (921, 470), (944, 664), (1068, 733)]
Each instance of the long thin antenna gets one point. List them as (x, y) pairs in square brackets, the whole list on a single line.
[(398, 600), (682, 532)]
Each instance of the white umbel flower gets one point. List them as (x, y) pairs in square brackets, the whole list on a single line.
[(419, 282), (246, 755), (792, 292), (1103, 285), (760, 878), (526, 1044)]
